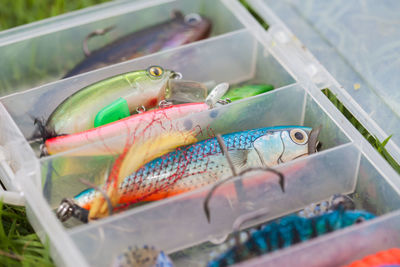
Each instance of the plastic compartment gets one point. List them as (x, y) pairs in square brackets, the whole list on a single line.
[(236, 57), (347, 165), (355, 43), (44, 51)]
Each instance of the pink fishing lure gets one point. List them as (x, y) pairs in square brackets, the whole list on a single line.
[(113, 137)]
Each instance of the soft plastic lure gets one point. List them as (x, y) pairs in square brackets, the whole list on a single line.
[(124, 93), (167, 34), (203, 163), (148, 123), (386, 258), (288, 231)]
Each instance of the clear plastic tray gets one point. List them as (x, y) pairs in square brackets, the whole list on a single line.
[(45, 51), (357, 43), (347, 164)]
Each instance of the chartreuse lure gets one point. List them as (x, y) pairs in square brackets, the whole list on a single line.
[(288, 231), (193, 166), (109, 124), (118, 97), (245, 91)]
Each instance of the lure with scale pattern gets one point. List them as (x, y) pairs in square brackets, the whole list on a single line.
[(288, 231), (203, 163)]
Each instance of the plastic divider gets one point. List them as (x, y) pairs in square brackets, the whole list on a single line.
[(180, 222), (232, 57), (16, 156), (61, 173), (339, 248), (32, 58)]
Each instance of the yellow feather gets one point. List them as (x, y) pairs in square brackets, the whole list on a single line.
[(138, 155)]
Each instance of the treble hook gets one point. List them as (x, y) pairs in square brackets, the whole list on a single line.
[(93, 34), (235, 174)]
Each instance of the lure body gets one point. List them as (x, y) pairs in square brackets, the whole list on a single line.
[(149, 123), (151, 120), (167, 34), (390, 257), (288, 231), (247, 91), (203, 163), (139, 88)]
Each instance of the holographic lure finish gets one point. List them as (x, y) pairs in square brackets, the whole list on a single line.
[(168, 34), (203, 163), (141, 88), (286, 232)]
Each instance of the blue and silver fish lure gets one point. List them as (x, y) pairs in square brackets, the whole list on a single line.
[(287, 231), (203, 163)]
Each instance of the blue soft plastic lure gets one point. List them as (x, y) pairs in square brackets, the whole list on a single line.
[(203, 163), (288, 231)]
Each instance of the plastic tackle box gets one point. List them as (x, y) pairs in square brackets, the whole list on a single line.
[(239, 51)]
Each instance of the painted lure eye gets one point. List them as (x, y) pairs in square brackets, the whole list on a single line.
[(193, 19), (299, 136), (155, 71)]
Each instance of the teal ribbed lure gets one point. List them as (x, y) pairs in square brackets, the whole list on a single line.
[(287, 231)]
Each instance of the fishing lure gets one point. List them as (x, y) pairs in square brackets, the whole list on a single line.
[(149, 123), (202, 163), (288, 231), (386, 258), (247, 91), (332, 204), (178, 31), (142, 257), (126, 92)]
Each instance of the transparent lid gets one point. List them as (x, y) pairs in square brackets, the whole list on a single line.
[(358, 43)]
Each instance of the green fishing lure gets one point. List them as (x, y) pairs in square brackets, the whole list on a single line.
[(245, 91), (130, 91)]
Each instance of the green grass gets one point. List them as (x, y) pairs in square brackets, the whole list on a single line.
[(18, 12), (19, 245), (373, 140), (255, 14)]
